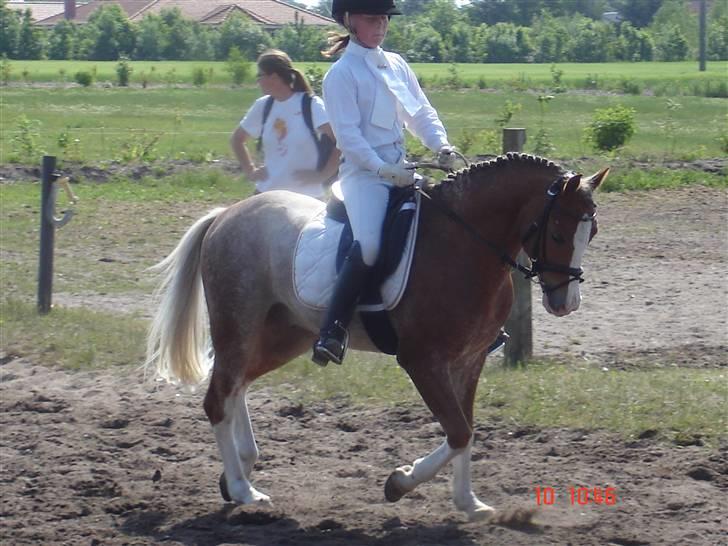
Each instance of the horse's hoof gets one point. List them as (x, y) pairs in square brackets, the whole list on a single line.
[(392, 490), (224, 489), (481, 513)]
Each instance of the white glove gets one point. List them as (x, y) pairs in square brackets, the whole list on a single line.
[(446, 157), (400, 174)]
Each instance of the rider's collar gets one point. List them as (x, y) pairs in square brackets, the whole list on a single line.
[(352, 48)]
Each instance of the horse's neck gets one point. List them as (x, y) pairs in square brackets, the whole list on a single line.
[(492, 208)]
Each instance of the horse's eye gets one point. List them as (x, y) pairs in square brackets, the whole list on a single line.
[(558, 238)]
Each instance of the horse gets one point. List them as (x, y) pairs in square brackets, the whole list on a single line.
[(472, 225)]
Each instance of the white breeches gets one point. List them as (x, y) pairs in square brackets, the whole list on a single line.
[(366, 197)]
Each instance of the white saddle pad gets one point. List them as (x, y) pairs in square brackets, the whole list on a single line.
[(314, 263)]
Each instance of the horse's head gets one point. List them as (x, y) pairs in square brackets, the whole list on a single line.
[(557, 239)]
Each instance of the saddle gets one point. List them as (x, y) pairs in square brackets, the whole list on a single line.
[(324, 243)]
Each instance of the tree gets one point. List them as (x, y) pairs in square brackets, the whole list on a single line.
[(550, 38), (638, 13), (114, 34), (671, 44), (591, 41), (30, 40), (180, 35), (718, 38), (671, 15), (301, 42), (239, 32), (152, 38), (634, 44), (9, 30), (62, 41), (508, 43)]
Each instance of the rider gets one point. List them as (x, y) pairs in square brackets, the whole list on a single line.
[(370, 96)]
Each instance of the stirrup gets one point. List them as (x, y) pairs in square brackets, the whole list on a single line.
[(331, 347), (499, 342)]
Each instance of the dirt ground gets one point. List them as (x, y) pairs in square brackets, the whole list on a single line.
[(101, 458)]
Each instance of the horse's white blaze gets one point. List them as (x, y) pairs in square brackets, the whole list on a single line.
[(239, 488), (581, 241), (573, 294), (462, 494)]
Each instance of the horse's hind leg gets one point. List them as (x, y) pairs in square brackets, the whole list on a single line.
[(226, 409)]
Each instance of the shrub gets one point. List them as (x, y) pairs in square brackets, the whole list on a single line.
[(315, 77), (723, 137), (5, 70), (199, 76), (24, 144), (630, 87), (123, 71), (611, 127), (237, 66), (84, 78)]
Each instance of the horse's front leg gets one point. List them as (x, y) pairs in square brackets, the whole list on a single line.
[(465, 382), (433, 383), (462, 488)]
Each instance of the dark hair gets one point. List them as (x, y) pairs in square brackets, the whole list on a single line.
[(275, 61)]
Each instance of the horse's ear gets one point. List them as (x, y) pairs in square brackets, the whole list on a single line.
[(572, 184), (596, 179)]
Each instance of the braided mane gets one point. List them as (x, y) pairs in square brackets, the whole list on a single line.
[(458, 180)]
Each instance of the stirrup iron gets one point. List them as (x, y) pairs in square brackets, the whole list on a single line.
[(331, 346)]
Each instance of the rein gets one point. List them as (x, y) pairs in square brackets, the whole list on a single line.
[(537, 228)]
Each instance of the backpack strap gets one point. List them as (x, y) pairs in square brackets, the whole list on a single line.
[(266, 112), (307, 115)]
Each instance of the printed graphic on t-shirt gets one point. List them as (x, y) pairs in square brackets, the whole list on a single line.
[(281, 130)]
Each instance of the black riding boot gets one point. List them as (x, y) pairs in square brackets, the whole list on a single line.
[(334, 337)]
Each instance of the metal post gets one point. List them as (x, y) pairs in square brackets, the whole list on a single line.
[(519, 348), (47, 235), (703, 30)]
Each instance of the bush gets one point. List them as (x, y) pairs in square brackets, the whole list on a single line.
[(199, 76), (84, 78), (237, 66), (123, 71), (5, 70), (611, 128)]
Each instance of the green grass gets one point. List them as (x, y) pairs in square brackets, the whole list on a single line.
[(679, 404), (664, 78), (196, 123), (119, 229), (72, 338)]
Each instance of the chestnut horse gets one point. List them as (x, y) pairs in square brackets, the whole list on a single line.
[(458, 297)]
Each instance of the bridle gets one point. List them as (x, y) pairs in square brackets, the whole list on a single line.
[(538, 229)]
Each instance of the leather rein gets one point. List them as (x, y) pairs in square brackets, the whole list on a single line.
[(538, 228)]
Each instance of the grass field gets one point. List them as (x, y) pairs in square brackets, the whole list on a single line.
[(665, 78), (118, 123)]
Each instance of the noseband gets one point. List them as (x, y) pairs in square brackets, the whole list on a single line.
[(539, 264)]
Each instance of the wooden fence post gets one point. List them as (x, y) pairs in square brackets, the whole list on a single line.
[(519, 348)]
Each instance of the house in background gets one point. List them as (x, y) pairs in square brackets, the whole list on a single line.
[(38, 10), (270, 14)]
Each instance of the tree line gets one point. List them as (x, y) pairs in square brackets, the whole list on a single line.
[(497, 31)]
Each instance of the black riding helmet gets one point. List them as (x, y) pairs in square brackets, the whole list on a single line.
[(370, 7)]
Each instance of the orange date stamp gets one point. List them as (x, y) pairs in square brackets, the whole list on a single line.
[(577, 496)]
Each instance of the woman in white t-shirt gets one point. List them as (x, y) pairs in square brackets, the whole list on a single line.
[(290, 153)]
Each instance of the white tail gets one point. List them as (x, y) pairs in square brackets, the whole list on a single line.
[(178, 334)]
